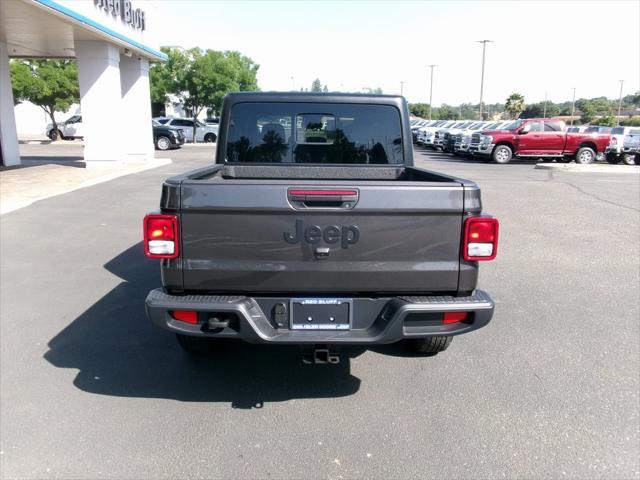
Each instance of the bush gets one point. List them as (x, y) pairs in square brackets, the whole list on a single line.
[(631, 122), (607, 121)]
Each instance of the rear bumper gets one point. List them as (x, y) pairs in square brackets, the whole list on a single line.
[(614, 150), (375, 321)]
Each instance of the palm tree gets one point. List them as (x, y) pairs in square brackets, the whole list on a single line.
[(515, 105)]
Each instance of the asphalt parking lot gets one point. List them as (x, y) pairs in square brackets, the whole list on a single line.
[(550, 389)]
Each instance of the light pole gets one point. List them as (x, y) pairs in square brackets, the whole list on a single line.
[(484, 48), (620, 104), (401, 88), (573, 104), (431, 90), (293, 83), (544, 114)]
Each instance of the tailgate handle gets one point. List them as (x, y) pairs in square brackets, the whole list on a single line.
[(323, 198)]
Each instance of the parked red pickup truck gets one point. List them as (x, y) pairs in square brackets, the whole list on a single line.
[(541, 138)]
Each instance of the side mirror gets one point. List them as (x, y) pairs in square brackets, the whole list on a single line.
[(524, 130)]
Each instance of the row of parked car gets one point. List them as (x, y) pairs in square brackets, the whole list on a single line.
[(546, 139), (168, 132)]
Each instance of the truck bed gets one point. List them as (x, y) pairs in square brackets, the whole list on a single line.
[(244, 232)]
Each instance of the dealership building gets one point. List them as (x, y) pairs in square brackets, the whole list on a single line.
[(113, 43)]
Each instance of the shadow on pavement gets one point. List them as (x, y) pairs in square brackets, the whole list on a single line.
[(118, 352)]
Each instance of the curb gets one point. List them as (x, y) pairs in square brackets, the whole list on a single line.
[(592, 168), (50, 142)]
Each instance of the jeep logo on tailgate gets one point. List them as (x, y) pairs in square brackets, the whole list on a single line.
[(345, 235)]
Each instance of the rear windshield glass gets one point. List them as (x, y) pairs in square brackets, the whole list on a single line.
[(618, 131), (314, 133)]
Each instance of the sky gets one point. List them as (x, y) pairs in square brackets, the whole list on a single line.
[(538, 47)]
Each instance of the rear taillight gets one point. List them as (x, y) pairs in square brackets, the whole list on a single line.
[(614, 141), (161, 236), (480, 241)]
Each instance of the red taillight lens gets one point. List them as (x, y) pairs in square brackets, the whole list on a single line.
[(480, 241), (454, 317), (161, 236), (186, 316)]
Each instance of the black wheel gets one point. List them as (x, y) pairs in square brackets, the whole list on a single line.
[(163, 143), (55, 134), (210, 138), (197, 346), (630, 159), (502, 154), (430, 345), (585, 156), (612, 158)]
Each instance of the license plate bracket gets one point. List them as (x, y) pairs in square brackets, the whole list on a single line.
[(320, 313)]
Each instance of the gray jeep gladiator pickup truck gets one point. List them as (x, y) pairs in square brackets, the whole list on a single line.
[(314, 228)]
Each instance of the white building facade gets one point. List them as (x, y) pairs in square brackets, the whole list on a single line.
[(113, 42)]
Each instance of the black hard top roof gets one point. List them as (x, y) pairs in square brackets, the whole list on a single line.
[(307, 97)]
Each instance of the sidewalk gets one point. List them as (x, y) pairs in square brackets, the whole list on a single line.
[(39, 178)]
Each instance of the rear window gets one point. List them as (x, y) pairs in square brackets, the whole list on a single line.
[(618, 131), (314, 133)]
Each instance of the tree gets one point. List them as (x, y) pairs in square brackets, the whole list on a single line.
[(50, 84), (537, 110), (470, 112), (374, 91), (419, 109), (631, 100), (515, 105), (316, 85), (201, 78), (446, 112), (533, 110), (588, 111)]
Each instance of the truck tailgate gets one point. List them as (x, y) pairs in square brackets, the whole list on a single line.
[(242, 236)]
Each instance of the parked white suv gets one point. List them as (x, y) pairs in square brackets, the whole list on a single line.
[(69, 129), (204, 132)]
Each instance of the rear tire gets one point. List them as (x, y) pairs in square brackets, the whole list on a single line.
[(502, 154), (630, 159), (196, 346), (585, 156), (210, 138), (613, 159), (430, 345)]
